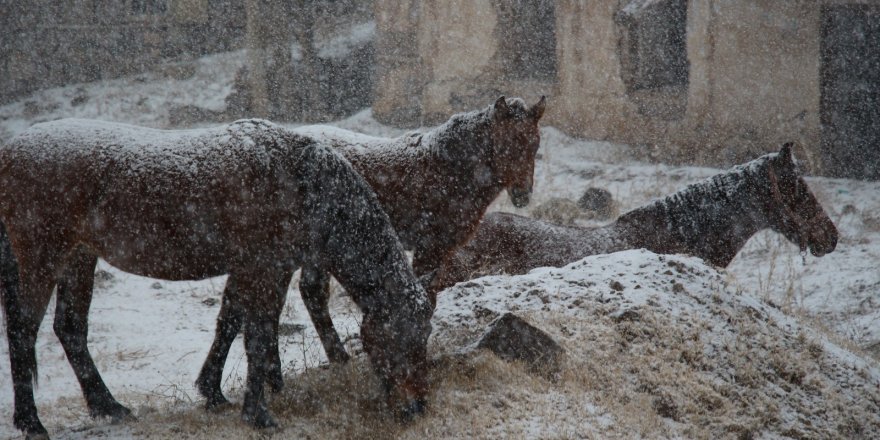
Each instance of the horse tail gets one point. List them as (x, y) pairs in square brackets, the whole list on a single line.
[(10, 294)]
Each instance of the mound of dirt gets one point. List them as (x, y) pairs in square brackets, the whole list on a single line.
[(663, 346), (655, 346)]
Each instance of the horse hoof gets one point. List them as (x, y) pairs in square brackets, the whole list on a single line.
[(217, 403), (276, 383), (114, 411), (32, 427), (37, 436), (338, 357), (123, 417), (259, 419)]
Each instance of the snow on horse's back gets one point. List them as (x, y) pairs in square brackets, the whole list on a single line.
[(712, 219), (250, 199)]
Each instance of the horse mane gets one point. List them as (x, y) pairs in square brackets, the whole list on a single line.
[(707, 213), (465, 134)]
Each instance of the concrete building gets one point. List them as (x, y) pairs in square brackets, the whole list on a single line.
[(715, 81), (45, 43)]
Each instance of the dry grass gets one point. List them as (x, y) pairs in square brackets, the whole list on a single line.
[(633, 378), (700, 361)]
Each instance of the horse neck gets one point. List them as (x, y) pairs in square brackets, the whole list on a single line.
[(712, 219), (457, 149)]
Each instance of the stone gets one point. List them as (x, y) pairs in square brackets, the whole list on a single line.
[(598, 201), (513, 339), (559, 211)]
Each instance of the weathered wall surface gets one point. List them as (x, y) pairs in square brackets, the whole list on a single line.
[(45, 43), (400, 75), (763, 74), (457, 43), (439, 57), (591, 99), (753, 74)]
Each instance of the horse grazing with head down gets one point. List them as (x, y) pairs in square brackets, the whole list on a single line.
[(712, 220), (249, 199), (434, 186)]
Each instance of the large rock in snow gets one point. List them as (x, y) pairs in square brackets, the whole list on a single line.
[(513, 339)]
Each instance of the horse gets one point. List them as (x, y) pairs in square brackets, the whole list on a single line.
[(434, 186), (711, 219), (249, 199)]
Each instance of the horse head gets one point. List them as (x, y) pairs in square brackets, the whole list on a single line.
[(794, 210), (397, 349), (515, 141)]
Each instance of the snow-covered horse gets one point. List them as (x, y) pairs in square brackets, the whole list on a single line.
[(434, 186), (712, 220), (249, 199)]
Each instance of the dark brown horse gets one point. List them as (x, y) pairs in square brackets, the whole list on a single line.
[(249, 199), (434, 186), (712, 220)]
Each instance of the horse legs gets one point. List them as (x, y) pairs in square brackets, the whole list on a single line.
[(314, 286), (26, 292), (258, 297), (426, 265), (229, 323), (71, 326), (275, 378)]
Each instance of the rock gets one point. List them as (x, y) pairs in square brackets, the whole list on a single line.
[(80, 97), (102, 276), (558, 210), (513, 339), (598, 201)]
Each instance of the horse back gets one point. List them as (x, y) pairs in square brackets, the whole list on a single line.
[(139, 194), (399, 170)]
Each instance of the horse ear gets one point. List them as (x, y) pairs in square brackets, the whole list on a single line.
[(501, 108), (785, 152), (538, 109)]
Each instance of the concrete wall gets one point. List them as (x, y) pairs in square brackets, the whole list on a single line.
[(761, 74), (753, 74), (48, 43), (398, 78), (439, 57)]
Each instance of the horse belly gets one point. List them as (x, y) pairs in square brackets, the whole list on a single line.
[(160, 236), (150, 249)]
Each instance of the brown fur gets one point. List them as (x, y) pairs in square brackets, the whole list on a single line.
[(434, 186), (711, 220), (249, 199)]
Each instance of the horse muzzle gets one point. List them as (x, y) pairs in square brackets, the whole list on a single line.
[(413, 409), (520, 197), (407, 402), (823, 239)]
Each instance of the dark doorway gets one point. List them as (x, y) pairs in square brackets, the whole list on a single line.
[(653, 55), (850, 81), (527, 39)]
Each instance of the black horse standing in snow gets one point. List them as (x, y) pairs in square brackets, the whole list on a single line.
[(249, 199), (435, 187)]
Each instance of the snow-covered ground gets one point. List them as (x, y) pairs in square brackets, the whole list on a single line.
[(771, 308)]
